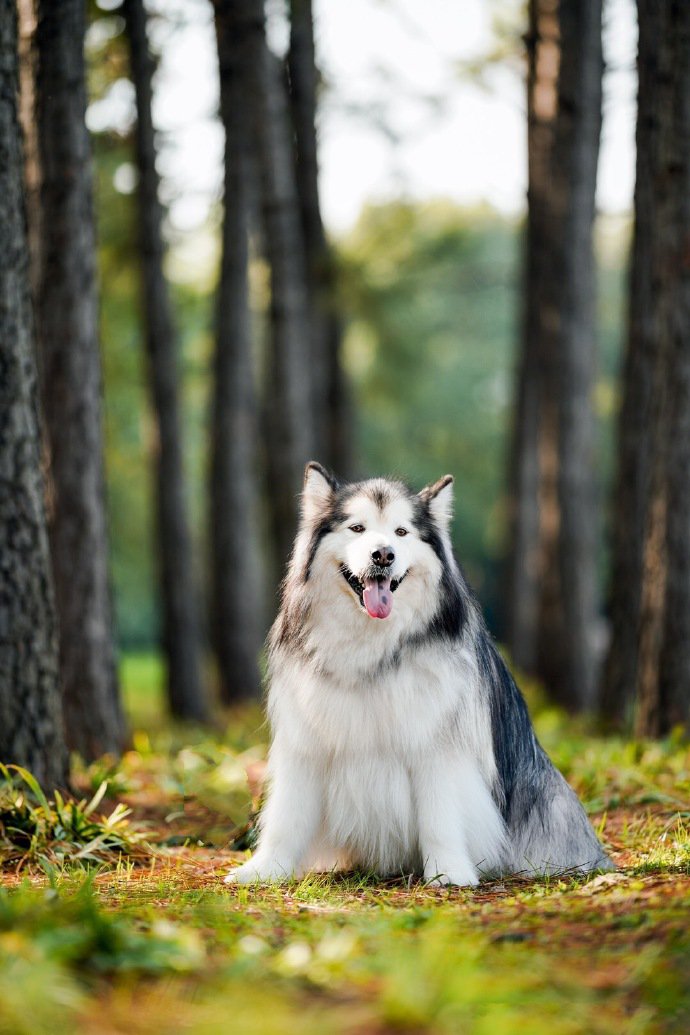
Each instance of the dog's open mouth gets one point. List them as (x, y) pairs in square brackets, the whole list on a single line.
[(375, 589)]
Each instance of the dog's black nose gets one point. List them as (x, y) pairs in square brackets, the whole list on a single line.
[(384, 556)]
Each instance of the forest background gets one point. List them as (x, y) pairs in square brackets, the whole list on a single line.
[(430, 283)]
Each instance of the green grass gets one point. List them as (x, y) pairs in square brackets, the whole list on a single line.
[(156, 943)]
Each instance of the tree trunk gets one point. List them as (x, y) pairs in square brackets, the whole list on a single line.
[(674, 674), (31, 725), (532, 499), (331, 401), (235, 561), (290, 423), (572, 281), (552, 563), (664, 664), (637, 414), (178, 591), (71, 381)]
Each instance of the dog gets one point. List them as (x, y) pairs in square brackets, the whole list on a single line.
[(400, 742)]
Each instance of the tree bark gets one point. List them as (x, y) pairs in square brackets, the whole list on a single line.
[(674, 674), (178, 590), (532, 500), (331, 398), (71, 382), (664, 662), (572, 294), (290, 425), (31, 724), (553, 536), (236, 574), (637, 413)]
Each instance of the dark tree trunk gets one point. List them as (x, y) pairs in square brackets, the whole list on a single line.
[(31, 726), (179, 598), (572, 283), (633, 483), (236, 576), (553, 552), (290, 424), (532, 501), (663, 682), (674, 676), (331, 401), (71, 382)]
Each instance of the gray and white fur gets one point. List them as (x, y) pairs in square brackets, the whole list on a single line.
[(400, 742)]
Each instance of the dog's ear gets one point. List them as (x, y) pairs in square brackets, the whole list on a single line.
[(319, 489), (439, 499)]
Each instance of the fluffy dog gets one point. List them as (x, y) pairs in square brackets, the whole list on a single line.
[(400, 742)]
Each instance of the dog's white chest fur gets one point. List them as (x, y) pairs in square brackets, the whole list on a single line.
[(376, 742)]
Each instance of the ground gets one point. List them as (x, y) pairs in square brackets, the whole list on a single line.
[(148, 939)]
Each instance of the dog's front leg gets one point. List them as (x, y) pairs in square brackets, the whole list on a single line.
[(443, 839), (288, 823)]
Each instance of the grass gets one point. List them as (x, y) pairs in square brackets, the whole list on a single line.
[(152, 941)]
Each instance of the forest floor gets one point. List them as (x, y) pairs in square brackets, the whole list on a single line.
[(154, 942)]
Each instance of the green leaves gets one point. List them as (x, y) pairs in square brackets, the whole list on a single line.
[(37, 832)]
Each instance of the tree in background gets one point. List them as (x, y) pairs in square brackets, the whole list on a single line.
[(178, 591), (663, 658), (290, 427), (531, 530), (636, 416), (67, 310), (236, 575), (31, 726), (674, 305), (570, 286), (554, 445), (333, 423)]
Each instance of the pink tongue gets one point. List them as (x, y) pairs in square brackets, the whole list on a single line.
[(378, 597)]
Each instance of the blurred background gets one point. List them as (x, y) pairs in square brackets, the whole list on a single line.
[(398, 241), (423, 178)]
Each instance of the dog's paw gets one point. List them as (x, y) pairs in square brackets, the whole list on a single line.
[(460, 875), (256, 872)]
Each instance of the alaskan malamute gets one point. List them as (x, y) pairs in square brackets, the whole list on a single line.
[(400, 743)]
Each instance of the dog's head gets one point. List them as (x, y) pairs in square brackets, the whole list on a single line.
[(375, 542)]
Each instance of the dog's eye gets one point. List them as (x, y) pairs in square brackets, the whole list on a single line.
[(356, 528), (401, 531)]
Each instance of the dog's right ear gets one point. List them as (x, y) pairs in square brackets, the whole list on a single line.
[(319, 489)]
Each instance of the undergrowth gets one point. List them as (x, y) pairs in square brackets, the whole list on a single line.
[(37, 832), (150, 940)]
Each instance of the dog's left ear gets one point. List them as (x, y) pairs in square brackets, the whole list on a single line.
[(439, 499), (319, 489)]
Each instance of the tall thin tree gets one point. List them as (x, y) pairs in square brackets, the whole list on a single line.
[(552, 568), (290, 419), (674, 675), (531, 496), (330, 402), (178, 590), (663, 660), (31, 726), (236, 573), (71, 383), (570, 288), (636, 417)]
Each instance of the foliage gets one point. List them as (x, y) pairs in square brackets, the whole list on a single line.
[(35, 831)]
